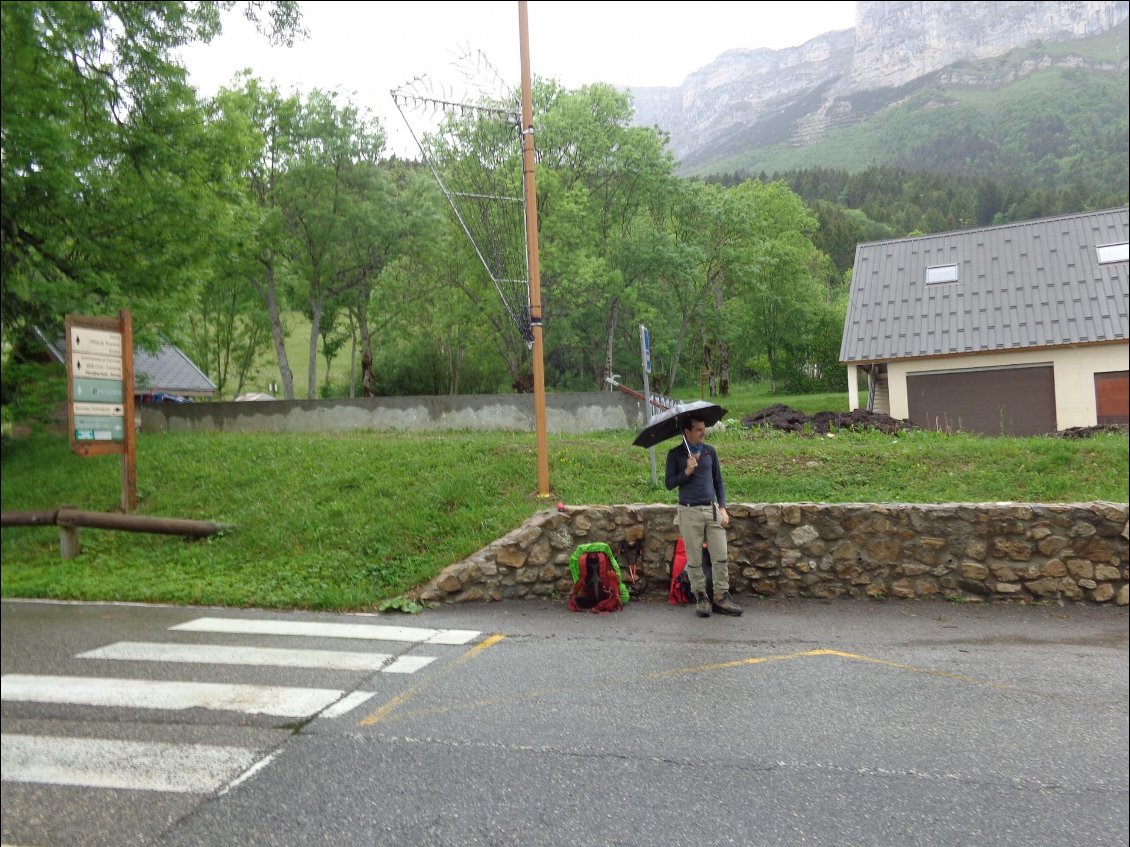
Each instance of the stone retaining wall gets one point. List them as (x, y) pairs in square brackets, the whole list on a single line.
[(957, 551)]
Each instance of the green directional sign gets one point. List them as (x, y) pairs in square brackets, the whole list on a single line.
[(92, 428), (100, 407), (88, 390)]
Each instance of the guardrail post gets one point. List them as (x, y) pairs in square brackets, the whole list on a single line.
[(69, 544)]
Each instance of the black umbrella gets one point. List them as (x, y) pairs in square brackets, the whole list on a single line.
[(669, 424)]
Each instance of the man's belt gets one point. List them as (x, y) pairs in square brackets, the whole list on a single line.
[(700, 503)]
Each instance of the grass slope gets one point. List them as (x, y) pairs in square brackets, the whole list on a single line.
[(345, 520)]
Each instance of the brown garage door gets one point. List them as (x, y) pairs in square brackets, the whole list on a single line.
[(997, 401), (1112, 397)]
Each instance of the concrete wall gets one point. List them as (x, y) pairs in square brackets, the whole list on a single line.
[(963, 552), (565, 413)]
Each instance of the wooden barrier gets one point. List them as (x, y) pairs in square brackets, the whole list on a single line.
[(69, 519)]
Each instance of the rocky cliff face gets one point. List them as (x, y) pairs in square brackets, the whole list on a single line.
[(794, 94), (896, 42)]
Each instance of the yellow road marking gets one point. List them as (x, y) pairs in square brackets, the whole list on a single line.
[(736, 663), (402, 698), (913, 669), (532, 694)]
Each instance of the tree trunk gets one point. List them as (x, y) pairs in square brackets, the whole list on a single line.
[(724, 369), (455, 355), (270, 293), (247, 358), (679, 342), (770, 357), (316, 307), (368, 380), (352, 354)]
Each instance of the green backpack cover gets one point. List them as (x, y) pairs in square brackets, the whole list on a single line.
[(597, 547)]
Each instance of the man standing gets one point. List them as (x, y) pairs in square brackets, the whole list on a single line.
[(693, 467)]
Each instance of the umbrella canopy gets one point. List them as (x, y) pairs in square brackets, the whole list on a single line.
[(669, 424)]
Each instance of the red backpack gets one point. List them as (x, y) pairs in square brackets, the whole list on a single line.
[(597, 586), (680, 593)]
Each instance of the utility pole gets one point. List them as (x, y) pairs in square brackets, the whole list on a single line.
[(531, 197)]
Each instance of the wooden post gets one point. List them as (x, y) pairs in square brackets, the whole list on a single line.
[(531, 196), (129, 451), (69, 545)]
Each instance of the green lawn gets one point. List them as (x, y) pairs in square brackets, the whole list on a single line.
[(344, 520)]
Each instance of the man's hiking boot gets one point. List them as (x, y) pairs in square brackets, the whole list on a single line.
[(702, 605), (725, 606)]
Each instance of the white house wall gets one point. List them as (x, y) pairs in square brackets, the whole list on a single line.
[(1074, 369)]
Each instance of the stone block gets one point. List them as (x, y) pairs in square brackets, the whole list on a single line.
[(1043, 587), (1102, 593), (1052, 544), (1017, 551), (1079, 568), (973, 570)]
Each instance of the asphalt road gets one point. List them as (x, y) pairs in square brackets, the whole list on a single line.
[(801, 723)]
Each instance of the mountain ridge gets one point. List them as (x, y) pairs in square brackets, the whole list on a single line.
[(747, 101)]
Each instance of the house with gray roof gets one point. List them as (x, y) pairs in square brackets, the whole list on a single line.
[(165, 371), (1017, 329), (170, 371)]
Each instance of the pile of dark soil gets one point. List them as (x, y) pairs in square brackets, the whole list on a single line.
[(1088, 431), (788, 419)]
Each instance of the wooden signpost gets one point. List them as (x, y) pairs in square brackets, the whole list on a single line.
[(100, 408)]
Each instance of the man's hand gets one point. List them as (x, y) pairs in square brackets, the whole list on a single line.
[(724, 515), (692, 463)]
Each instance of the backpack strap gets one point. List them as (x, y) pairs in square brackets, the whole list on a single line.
[(584, 595), (609, 592)]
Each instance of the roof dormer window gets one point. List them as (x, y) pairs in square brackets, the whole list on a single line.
[(941, 273), (1113, 253)]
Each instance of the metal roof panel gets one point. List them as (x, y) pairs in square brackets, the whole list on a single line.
[(1027, 284)]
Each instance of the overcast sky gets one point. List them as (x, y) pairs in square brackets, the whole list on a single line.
[(366, 49)]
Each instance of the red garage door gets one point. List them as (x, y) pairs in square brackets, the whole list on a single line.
[(995, 401), (1112, 397)]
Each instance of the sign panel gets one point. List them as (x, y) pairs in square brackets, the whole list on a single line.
[(102, 410), (98, 342), (97, 390), (94, 428), (100, 393), (102, 367)]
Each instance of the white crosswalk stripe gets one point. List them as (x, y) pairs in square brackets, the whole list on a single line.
[(368, 632), (140, 766), (347, 704), (217, 654), (154, 694), (199, 768)]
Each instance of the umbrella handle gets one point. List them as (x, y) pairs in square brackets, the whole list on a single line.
[(687, 445)]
